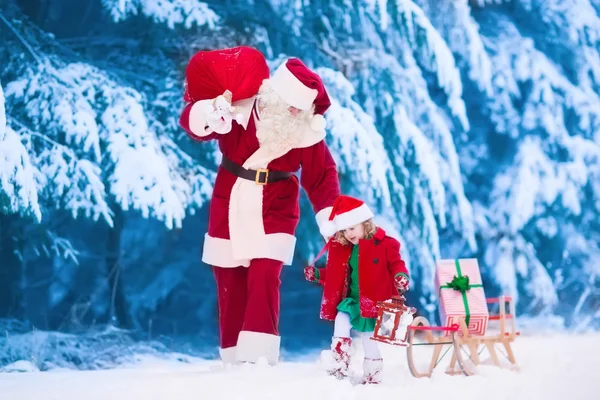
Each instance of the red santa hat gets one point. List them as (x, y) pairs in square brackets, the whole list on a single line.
[(301, 88), (348, 211)]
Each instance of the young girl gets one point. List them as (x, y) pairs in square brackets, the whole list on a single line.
[(363, 267)]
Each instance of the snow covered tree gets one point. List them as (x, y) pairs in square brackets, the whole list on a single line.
[(470, 127), (99, 155), (542, 152)]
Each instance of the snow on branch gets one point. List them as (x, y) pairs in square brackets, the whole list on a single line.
[(192, 182), (513, 258), (565, 119), (433, 53), (354, 138), (65, 181), (535, 181), (170, 12), (2, 113), (546, 107), (114, 150), (574, 27), (18, 192), (455, 23), (59, 103), (417, 148), (139, 176), (414, 111)]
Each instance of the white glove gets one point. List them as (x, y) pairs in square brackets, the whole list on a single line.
[(219, 113)]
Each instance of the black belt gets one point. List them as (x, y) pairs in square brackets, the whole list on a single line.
[(260, 176)]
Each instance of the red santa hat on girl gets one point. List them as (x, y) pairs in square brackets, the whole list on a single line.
[(301, 88), (348, 211)]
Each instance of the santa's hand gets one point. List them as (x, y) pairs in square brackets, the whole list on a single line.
[(309, 274), (401, 282), (219, 114), (222, 105)]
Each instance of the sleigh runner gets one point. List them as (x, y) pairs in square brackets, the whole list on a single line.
[(469, 330)]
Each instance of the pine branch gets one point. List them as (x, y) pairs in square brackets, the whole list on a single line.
[(21, 38), (31, 132)]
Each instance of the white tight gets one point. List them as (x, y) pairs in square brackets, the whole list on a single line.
[(342, 328)]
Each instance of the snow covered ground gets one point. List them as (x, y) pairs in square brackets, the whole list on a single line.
[(552, 367)]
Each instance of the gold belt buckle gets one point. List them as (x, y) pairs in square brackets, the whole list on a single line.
[(257, 177)]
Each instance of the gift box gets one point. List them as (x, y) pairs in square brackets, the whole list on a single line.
[(461, 294)]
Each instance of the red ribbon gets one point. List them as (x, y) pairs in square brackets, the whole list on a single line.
[(321, 253)]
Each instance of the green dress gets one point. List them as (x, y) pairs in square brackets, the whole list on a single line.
[(351, 304)]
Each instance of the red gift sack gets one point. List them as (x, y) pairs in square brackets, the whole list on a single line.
[(241, 70)]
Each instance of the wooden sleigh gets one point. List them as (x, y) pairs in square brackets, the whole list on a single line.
[(465, 349)]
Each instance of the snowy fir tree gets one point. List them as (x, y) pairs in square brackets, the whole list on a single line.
[(471, 128)]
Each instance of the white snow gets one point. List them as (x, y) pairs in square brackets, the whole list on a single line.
[(123, 155), (379, 6), (455, 23), (354, 140), (171, 12), (17, 180), (434, 55), (2, 114), (551, 367)]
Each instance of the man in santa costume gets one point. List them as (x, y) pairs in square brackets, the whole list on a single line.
[(254, 210)]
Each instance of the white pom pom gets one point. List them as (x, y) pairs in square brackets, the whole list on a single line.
[(239, 118), (318, 123)]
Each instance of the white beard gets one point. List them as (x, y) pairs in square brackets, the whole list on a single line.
[(277, 127)]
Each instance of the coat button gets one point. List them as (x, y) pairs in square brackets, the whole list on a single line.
[(375, 260), (376, 242)]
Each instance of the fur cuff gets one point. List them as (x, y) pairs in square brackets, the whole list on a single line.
[(228, 355), (254, 345)]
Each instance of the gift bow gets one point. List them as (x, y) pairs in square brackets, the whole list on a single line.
[(460, 283)]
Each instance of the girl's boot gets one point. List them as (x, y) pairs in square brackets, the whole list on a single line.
[(340, 350), (372, 370)]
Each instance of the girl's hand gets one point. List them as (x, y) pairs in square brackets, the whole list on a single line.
[(309, 274), (401, 282)]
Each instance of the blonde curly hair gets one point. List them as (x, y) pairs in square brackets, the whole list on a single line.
[(370, 229)]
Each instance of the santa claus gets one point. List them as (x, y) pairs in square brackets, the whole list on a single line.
[(264, 139)]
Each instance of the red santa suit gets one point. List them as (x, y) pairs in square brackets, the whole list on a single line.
[(254, 208)]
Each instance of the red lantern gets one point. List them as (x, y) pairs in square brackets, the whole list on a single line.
[(393, 320)]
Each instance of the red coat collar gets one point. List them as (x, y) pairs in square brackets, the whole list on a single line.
[(379, 234)]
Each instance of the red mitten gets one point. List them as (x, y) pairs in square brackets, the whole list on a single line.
[(401, 282), (309, 274)]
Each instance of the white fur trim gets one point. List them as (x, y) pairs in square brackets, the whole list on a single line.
[(246, 227), (228, 355), (291, 89), (265, 154), (318, 123), (276, 246), (219, 252), (243, 110), (253, 345), (326, 227), (353, 217), (198, 118), (310, 137)]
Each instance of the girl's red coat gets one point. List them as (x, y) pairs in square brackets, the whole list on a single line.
[(379, 262)]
